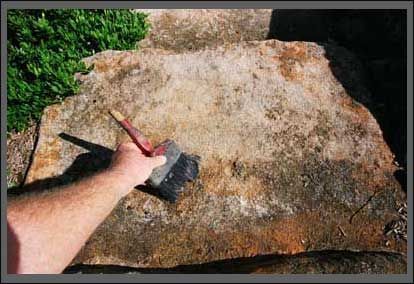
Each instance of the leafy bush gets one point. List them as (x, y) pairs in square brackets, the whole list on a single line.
[(44, 51)]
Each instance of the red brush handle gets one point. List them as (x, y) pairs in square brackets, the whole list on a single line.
[(139, 139)]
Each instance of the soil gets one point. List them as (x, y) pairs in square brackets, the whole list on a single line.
[(20, 146)]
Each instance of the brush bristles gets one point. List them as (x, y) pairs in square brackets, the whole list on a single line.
[(117, 115), (185, 169)]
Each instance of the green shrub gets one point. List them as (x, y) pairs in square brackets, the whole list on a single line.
[(44, 51)]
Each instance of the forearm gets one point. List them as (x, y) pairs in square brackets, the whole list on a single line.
[(52, 227)]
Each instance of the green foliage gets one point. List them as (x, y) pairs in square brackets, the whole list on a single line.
[(44, 49)]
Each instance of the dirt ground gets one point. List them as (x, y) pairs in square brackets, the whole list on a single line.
[(20, 147)]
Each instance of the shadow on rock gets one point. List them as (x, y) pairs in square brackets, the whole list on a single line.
[(86, 164), (378, 38), (97, 159)]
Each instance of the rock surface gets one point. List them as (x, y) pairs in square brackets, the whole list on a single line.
[(379, 39), (320, 262), (290, 163), (189, 29)]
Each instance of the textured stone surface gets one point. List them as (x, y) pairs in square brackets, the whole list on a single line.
[(379, 39), (319, 262), (189, 29), (290, 163), (338, 262)]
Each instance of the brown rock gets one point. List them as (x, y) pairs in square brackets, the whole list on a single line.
[(318, 262), (189, 29), (334, 262), (288, 157)]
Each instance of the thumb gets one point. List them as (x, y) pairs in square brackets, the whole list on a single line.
[(158, 161)]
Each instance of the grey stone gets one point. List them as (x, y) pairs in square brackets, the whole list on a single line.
[(194, 29)]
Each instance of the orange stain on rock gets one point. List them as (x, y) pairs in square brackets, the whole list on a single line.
[(43, 160), (52, 112), (289, 58), (106, 63)]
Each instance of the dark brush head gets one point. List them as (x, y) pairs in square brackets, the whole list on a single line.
[(170, 178)]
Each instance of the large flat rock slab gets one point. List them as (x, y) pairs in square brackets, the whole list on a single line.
[(194, 29), (290, 163)]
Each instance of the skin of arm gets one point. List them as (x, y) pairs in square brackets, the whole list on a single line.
[(47, 230)]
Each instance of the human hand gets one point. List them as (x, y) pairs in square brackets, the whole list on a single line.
[(131, 166)]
